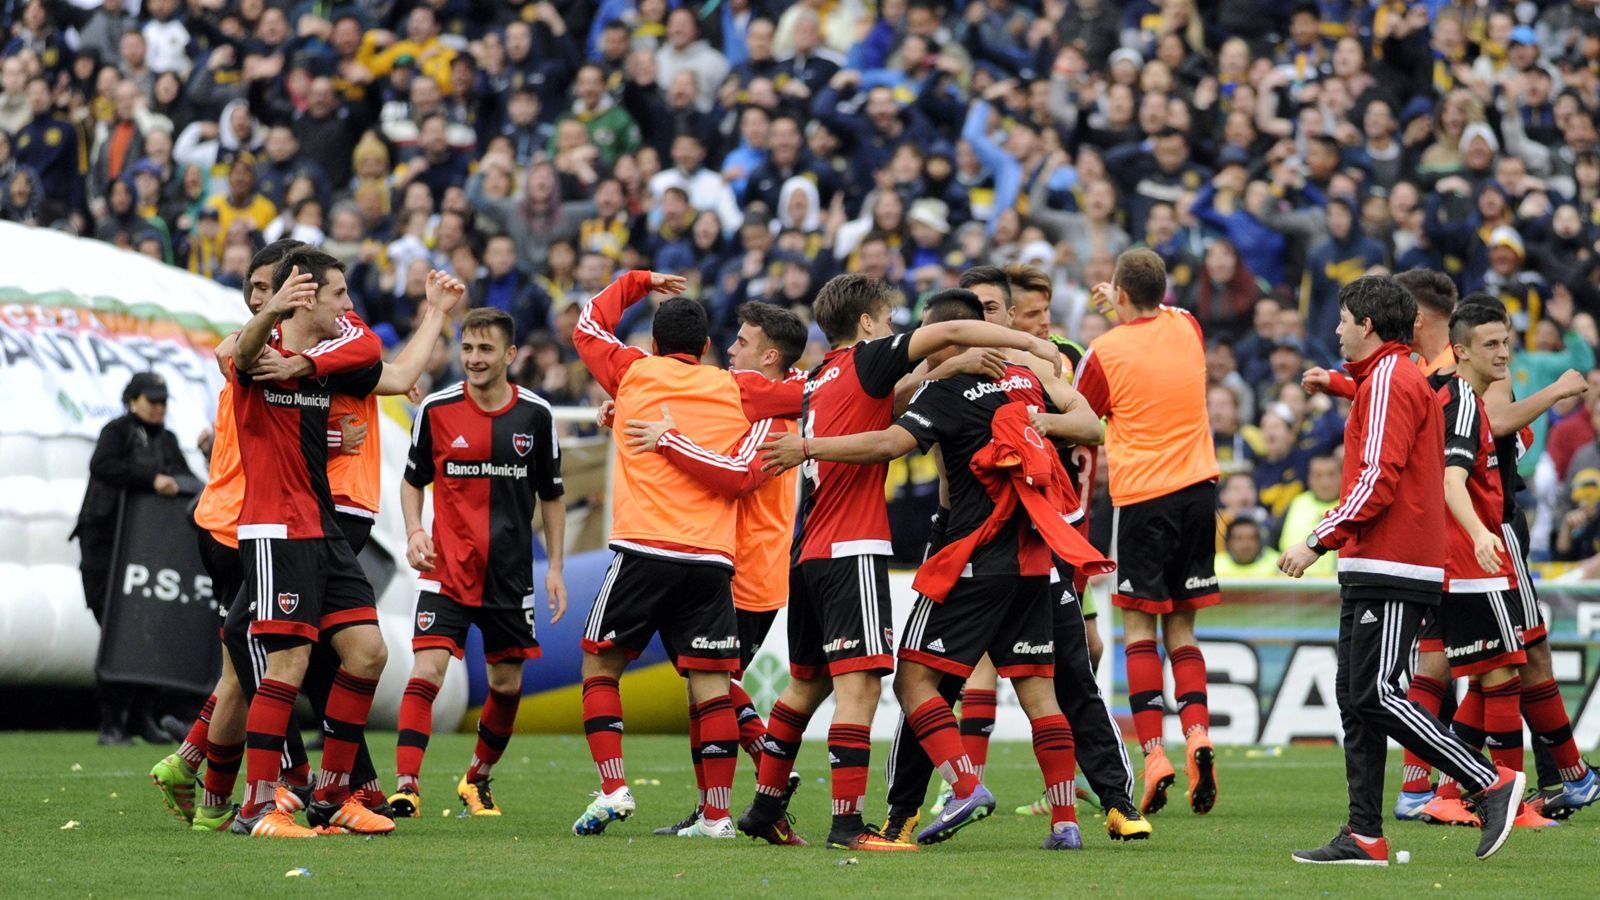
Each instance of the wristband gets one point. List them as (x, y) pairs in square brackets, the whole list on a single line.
[(414, 531), (805, 447)]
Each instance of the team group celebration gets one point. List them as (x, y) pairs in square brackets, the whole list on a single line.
[(1163, 290)]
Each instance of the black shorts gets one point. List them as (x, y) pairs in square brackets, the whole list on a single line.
[(690, 605), (1066, 607), (839, 617), (303, 590), (1535, 631), (441, 624), (1482, 632), (1430, 633), (223, 567), (753, 630), (1008, 618), (1165, 550)]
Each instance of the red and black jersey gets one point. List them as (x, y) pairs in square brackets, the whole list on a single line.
[(842, 506), (486, 466), (1469, 444), (957, 413), (283, 439)]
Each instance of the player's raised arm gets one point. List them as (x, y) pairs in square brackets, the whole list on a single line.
[(299, 291), (735, 473), (445, 293), (786, 451), (1508, 416), (930, 339), (595, 337)]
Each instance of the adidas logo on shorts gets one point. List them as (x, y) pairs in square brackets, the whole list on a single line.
[(1126, 586), (1367, 618), (937, 645)]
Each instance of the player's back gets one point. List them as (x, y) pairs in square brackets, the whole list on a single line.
[(653, 502), (1151, 380)]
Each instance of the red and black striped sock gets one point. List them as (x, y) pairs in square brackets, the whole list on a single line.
[(695, 755), (1053, 747), (1189, 687), (1144, 691), (193, 749), (977, 724), (349, 702), (849, 752), (602, 725), (719, 754), (785, 729), (751, 728), (1547, 718), (416, 726), (222, 770), (495, 724), (935, 727), (1428, 693), (265, 727), (1502, 723), (1467, 723)]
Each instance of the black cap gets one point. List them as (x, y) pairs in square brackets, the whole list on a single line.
[(145, 384)]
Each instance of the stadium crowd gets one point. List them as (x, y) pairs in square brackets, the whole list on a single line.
[(1270, 152)]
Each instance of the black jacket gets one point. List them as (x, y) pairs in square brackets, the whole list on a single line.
[(128, 456)]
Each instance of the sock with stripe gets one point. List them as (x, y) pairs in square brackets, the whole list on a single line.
[(935, 728), (499, 716), (1547, 719), (1468, 721), (1144, 692), (1502, 723), (416, 726), (751, 728), (222, 770), (719, 755), (1189, 687), (349, 702), (265, 726), (602, 725), (695, 756), (1052, 746), (193, 749), (977, 724), (1427, 693), (785, 730), (849, 754)]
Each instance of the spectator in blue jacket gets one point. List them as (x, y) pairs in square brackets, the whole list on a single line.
[(1346, 255)]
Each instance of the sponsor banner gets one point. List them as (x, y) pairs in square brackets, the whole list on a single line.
[(1270, 653)]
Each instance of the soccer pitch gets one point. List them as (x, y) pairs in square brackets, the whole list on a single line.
[(127, 845)]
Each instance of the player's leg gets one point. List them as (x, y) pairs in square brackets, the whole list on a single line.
[(978, 700), (602, 726), (362, 656), (1192, 584), (695, 761), (718, 736), (1446, 807), (753, 630), (1053, 748), (224, 752), (495, 724), (1577, 784), (705, 631), (908, 772), (1430, 682), (428, 667), (1142, 656), (916, 687)]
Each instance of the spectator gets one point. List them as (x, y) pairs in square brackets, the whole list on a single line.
[(1280, 465), (1346, 255), (1308, 507), (1245, 553), (1227, 293), (242, 202), (686, 52), (608, 125)]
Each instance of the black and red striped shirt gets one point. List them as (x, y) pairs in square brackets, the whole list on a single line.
[(488, 469)]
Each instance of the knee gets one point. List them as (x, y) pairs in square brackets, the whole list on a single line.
[(366, 657), (430, 666), (503, 678), (859, 689)]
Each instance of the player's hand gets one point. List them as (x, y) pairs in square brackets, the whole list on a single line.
[(352, 434), (1036, 421), (643, 436), (205, 440), (782, 453), (444, 291), (555, 589), (1048, 352), (274, 366), (1296, 560), (1104, 299), (1315, 380), (165, 485), (1571, 384), (985, 362), (606, 415), (414, 394), (299, 291), (1486, 548), (419, 550), (662, 283)]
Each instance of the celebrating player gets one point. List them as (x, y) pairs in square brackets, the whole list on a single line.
[(489, 449), (1148, 378), (1391, 568), (839, 635)]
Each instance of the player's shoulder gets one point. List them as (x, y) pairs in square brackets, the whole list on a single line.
[(526, 397), (450, 395)]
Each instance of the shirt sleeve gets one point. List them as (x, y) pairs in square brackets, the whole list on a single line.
[(927, 417), (549, 483), (595, 337), (419, 460), (1341, 385), (356, 347), (357, 383), (764, 398), (1091, 383), (733, 474), (1461, 427), (881, 363)]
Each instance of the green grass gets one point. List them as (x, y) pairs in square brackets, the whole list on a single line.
[(128, 845)]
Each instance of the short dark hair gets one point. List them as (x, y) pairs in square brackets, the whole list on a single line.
[(781, 327), (994, 275), (1430, 288), (489, 318), (1144, 276), (273, 253), (307, 259), (1390, 307), (1478, 309), (952, 304), (1031, 279), (680, 327), (1240, 522), (844, 299)]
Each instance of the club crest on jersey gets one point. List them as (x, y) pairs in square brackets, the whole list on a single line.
[(522, 443), (425, 619), (288, 602)]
